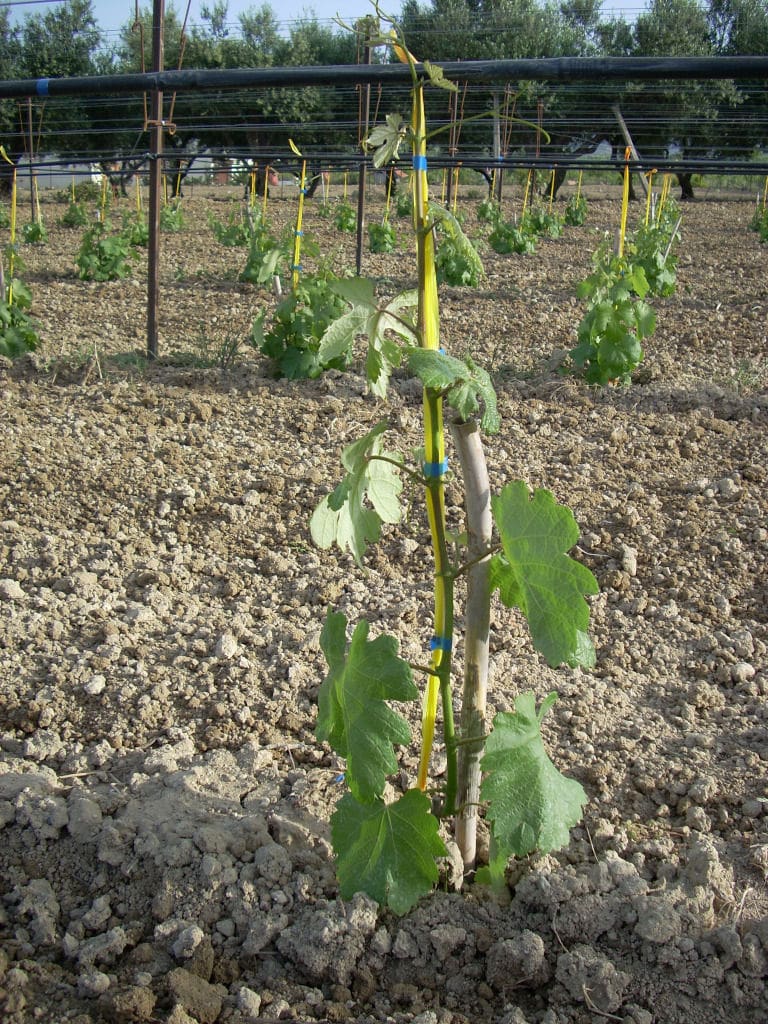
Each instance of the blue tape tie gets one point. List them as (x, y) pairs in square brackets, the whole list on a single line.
[(441, 643), (419, 163), (433, 469), (299, 234), (297, 266), (42, 86)]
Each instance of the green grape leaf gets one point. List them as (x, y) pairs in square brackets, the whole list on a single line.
[(466, 386), (638, 280), (343, 517), (358, 291), (531, 805), (372, 322), (536, 575), (385, 139), (437, 77), (339, 337), (353, 714), (387, 850), (645, 317), (620, 352)]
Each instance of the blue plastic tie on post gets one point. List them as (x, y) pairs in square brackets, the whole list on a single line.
[(433, 469), (297, 266), (441, 643), (419, 162), (42, 86), (299, 234)]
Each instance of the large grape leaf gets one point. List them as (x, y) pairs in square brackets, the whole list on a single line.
[(387, 850), (466, 385), (353, 714), (619, 353), (385, 139), (368, 319), (535, 574), (531, 805), (343, 517)]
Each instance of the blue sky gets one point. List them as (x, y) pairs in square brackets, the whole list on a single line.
[(113, 14)]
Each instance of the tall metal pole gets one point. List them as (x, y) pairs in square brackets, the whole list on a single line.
[(364, 26), (31, 145), (155, 180), (499, 179)]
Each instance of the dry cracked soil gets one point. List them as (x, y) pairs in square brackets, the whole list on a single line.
[(164, 804)]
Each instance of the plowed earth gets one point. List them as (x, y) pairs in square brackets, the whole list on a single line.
[(164, 846)]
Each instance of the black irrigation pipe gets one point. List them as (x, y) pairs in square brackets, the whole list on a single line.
[(551, 69), (340, 161)]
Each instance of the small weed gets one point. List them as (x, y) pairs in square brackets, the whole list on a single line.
[(749, 376)]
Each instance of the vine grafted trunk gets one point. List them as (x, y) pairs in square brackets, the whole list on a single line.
[(472, 725)]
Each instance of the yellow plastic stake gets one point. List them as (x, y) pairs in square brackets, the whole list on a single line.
[(296, 268), (765, 193), (552, 191), (665, 187), (346, 175), (434, 435), (578, 185), (138, 196), (73, 188), (624, 202), (455, 189), (252, 196)]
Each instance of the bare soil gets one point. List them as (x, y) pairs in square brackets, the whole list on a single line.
[(163, 801)]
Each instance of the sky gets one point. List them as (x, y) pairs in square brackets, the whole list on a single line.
[(112, 15)]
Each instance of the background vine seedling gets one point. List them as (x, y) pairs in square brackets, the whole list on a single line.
[(388, 847)]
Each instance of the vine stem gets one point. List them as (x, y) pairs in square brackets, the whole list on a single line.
[(477, 496)]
